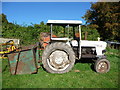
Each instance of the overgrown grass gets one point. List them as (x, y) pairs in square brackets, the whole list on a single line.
[(86, 78)]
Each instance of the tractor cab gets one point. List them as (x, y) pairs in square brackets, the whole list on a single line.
[(70, 33), (70, 29)]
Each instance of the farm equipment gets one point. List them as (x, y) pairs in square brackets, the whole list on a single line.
[(7, 48), (60, 53), (22, 60), (25, 60)]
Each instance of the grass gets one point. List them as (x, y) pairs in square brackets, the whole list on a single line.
[(86, 78)]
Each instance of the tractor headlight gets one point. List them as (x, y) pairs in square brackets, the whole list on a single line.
[(103, 51)]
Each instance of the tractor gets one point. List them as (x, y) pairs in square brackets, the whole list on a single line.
[(60, 53)]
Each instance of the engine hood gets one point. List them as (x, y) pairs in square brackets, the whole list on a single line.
[(101, 44)]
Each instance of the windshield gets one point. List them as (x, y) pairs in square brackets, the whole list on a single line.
[(65, 31)]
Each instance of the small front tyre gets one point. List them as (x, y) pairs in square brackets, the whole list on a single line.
[(102, 66)]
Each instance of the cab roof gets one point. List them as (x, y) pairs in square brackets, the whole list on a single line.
[(64, 22)]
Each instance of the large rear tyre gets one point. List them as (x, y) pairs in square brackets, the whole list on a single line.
[(58, 58), (102, 66)]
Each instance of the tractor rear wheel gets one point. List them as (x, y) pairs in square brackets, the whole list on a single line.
[(58, 58)]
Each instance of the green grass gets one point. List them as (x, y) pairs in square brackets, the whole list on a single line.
[(86, 78)]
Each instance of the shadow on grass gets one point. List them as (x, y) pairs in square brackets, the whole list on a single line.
[(43, 68), (87, 60), (4, 69)]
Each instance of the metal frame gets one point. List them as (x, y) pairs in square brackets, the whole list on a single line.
[(24, 61), (80, 42), (68, 30), (51, 26), (51, 30), (67, 23)]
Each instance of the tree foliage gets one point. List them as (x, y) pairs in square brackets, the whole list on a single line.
[(92, 33), (27, 35), (105, 17), (30, 34)]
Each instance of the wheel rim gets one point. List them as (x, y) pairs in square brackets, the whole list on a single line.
[(102, 67), (58, 60)]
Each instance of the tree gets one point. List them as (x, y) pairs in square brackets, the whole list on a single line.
[(27, 35), (92, 33), (105, 17)]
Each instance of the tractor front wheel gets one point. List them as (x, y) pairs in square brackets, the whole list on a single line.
[(102, 66)]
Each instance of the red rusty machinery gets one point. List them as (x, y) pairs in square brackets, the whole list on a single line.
[(45, 39)]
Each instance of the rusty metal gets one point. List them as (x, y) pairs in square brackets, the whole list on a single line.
[(102, 67), (45, 38), (44, 35), (86, 34), (24, 61)]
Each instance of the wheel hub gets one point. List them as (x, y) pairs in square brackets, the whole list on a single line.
[(58, 59), (102, 67)]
